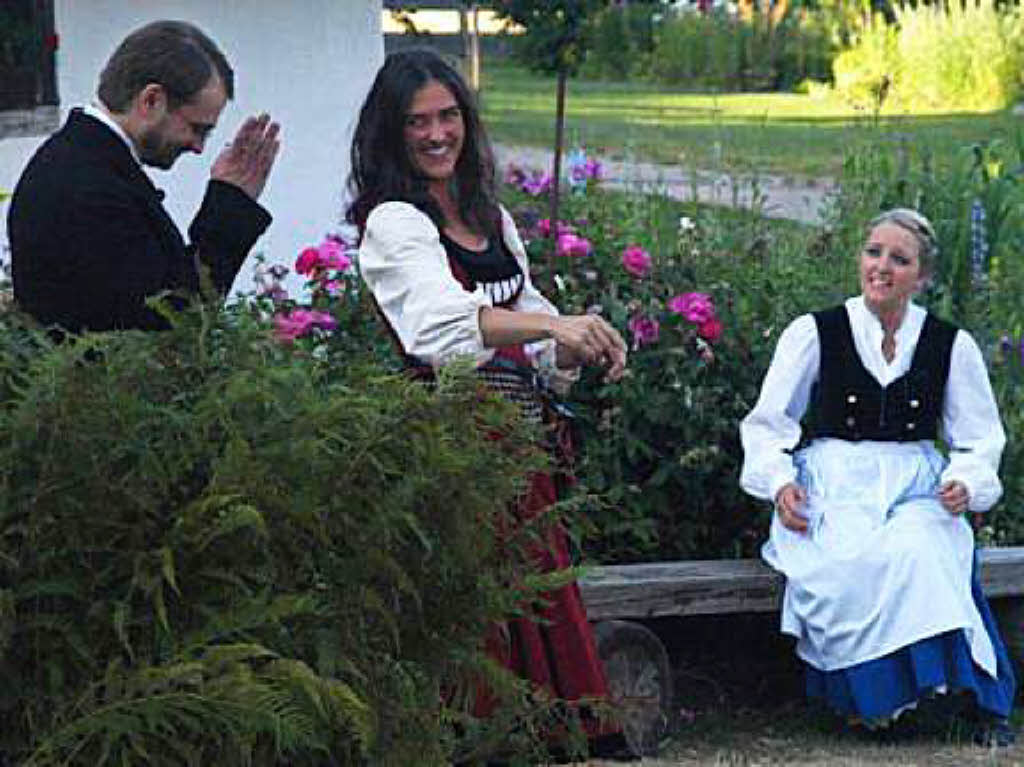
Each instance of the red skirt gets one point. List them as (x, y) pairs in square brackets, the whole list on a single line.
[(556, 649)]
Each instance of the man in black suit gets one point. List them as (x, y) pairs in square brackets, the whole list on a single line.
[(90, 239)]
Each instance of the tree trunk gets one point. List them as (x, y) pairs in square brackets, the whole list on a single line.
[(474, 51), (556, 171)]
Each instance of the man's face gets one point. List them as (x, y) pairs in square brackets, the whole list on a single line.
[(184, 128)]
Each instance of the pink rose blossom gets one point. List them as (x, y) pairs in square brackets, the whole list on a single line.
[(329, 254), (298, 322), (332, 255), (644, 329), (636, 261), (544, 227), (572, 245), (307, 260), (710, 329), (695, 307)]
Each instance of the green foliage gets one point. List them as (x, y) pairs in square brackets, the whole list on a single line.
[(955, 57), (660, 453), (218, 549), (557, 31), (621, 42), (712, 51)]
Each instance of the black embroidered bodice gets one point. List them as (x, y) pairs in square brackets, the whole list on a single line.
[(494, 269), (848, 402)]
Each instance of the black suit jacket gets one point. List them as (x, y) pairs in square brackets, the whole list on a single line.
[(90, 238)]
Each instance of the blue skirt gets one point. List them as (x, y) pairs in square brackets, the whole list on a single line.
[(879, 688)]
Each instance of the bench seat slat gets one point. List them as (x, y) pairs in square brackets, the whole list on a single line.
[(708, 587)]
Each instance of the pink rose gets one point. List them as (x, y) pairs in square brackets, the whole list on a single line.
[(644, 329), (710, 329), (695, 307), (307, 260), (332, 255), (636, 261), (329, 254), (572, 245), (298, 322), (544, 227)]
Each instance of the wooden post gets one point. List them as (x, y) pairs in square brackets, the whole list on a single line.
[(556, 172), (474, 46)]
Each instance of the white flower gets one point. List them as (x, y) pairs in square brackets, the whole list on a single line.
[(686, 224), (559, 283)]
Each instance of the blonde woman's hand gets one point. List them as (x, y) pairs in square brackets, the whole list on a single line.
[(789, 504), (954, 497)]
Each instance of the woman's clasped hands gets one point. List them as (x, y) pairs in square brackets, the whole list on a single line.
[(588, 339)]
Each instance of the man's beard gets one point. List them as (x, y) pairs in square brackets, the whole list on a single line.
[(154, 151)]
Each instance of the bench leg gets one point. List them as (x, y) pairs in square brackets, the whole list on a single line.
[(1010, 617), (639, 681)]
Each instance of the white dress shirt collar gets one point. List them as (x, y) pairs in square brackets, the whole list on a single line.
[(101, 114)]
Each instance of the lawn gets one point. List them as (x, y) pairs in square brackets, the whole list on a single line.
[(785, 133)]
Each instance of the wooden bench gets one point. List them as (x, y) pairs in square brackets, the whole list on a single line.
[(618, 596)]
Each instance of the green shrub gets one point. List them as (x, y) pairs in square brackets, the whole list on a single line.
[(957, 57), (218, 549), (621, 42), (722, 52), (660, 451)]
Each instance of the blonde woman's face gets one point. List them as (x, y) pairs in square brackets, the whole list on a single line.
[(890, 268)]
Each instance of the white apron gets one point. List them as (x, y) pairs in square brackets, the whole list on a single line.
[(883, 564)]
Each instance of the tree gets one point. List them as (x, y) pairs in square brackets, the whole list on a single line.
[(555, 42)]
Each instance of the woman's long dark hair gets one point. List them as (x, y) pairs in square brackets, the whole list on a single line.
[(381, 168)]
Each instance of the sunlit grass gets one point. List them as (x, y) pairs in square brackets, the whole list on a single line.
[(774, 132)]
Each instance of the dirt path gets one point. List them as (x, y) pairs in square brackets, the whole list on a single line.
[(789, 198)]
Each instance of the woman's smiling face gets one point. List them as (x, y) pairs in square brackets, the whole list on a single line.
[(434, 132), (890, 268)]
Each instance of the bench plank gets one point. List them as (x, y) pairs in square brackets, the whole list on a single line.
[(708, 587)]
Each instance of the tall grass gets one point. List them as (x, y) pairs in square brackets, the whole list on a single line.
[(960, 56)]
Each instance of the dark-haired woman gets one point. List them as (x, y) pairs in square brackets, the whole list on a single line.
[(870, 531), (450, 276)]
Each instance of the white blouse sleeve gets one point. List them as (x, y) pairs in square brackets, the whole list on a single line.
[(543, 352), (971, 426), (772, 429), (406, 268)]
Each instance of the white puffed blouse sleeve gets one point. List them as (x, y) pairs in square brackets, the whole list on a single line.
[(405, 266), (971, 426), (771, 430)]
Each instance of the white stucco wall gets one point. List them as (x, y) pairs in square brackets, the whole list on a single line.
[(307, 62)]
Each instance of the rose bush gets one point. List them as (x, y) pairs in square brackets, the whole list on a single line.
[(694, 293)]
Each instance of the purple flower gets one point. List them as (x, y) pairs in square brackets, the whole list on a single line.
[(514, 175), (636, 261), (593, 169), (644, 329), (537, 184), (695, 307)]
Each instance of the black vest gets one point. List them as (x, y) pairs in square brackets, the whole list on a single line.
[(848, 403)]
